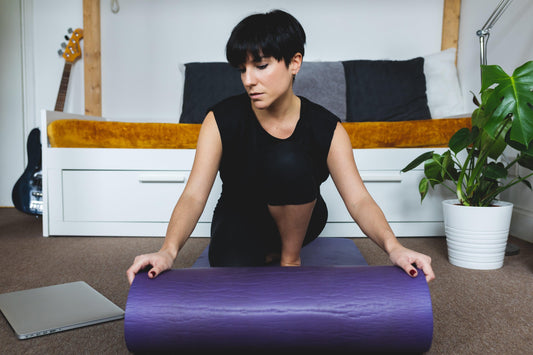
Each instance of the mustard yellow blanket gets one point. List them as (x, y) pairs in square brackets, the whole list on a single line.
[(74, 133)]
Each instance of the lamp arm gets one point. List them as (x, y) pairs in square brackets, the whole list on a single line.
[(484, 32), (495, 16)]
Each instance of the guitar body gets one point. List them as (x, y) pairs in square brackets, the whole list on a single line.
[(27, 193)]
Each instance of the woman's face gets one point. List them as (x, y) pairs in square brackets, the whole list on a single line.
[(268, 80)]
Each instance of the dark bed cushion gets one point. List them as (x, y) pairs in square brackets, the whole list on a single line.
[(385, 90), (205, 85)]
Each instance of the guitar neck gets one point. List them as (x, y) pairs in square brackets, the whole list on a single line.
[(62, 94)]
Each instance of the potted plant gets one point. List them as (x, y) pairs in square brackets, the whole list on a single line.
[(476, 169)]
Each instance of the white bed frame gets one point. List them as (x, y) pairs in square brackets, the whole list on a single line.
[(131, 192)]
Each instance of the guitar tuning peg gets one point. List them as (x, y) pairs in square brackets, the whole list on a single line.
[(66, 37), (63, 45), (70, 30), (60, 52)]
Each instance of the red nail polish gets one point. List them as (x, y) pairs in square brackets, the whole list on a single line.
[(412, 272)]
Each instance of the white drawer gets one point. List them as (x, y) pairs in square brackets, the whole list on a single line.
[(395, 193), (125, 195)]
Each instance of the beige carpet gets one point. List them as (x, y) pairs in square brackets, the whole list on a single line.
[(475, 312)]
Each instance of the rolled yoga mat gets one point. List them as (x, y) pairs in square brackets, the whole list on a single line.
[(313, 308)]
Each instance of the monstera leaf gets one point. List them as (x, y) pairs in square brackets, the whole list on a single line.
[(512, 96), (494, 143), (472, 168)]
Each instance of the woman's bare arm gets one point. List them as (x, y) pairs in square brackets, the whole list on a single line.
[(364, 210), (190, 205)]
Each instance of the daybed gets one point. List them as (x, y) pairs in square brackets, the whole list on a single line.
[(123, 179)]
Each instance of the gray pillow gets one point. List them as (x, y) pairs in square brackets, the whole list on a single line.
[(323, 83)]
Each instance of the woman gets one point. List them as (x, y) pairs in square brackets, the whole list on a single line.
[(273, 150)]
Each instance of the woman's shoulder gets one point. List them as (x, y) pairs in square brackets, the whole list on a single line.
[(230, 104), (231, 115)]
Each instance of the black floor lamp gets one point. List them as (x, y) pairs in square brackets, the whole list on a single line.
[(484, 34)]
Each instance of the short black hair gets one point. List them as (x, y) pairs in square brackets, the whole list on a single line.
[(273, 34)]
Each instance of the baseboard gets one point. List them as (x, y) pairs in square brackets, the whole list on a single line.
[(522, 224)]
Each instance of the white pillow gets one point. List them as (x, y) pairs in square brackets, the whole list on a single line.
[(442, 85)]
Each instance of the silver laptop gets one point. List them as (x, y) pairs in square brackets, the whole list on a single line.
[(51, 309)]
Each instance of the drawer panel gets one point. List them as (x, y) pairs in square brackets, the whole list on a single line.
[(395, 193), (125, 196)]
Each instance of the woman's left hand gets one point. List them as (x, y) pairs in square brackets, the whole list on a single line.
[(409, 260)]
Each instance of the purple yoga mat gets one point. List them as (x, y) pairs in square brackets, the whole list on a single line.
[(314, 308)]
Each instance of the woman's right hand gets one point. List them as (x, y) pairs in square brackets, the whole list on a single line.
[(156, 262)]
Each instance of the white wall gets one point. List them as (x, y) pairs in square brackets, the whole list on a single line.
[(11, 119), (51, 20), (510, 43), (143, 45)]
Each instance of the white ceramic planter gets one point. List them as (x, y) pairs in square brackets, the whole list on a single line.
[(477, 236)]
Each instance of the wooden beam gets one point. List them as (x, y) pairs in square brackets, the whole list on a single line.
[(92, 63), (450, 24)]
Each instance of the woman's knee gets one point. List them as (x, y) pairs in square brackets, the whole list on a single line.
[(233, 244)]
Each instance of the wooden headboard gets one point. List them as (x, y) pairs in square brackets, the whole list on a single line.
[(91, 48)]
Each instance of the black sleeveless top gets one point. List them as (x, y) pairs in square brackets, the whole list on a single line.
[(244, 141)]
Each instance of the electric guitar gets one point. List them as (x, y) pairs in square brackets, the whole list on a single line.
[(71, 52), (27, 194)]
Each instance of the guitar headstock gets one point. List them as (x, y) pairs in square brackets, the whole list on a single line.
[(72, 50)]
